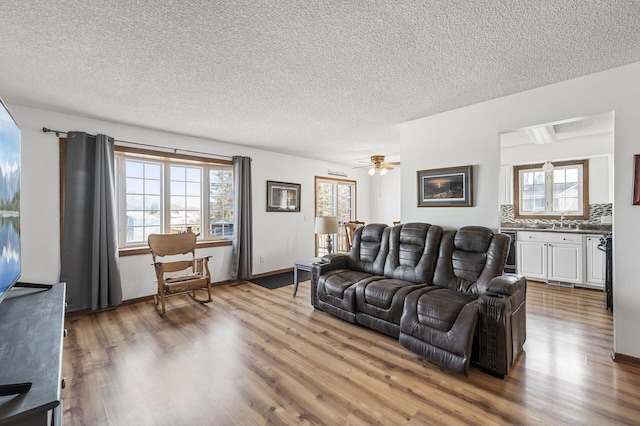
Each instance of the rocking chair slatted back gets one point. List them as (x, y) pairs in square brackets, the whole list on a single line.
[(195, 271), (172, 244)]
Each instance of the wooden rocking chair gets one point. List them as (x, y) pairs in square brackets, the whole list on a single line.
[(182, 275), (350, 229)]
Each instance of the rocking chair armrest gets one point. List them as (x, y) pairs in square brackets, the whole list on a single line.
[(202, 264), (203, 257), (204, 260)]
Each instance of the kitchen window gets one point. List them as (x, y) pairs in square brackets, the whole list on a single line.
[(561, 190), (166, 193)]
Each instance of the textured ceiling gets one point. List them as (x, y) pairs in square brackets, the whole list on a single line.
[(321, 79)]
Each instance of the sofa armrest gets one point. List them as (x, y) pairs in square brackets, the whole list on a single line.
[(328, 263), (507, 285), (502, 323)]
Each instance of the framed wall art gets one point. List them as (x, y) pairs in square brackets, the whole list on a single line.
[(283, 196), (636, 180), (448, 187)]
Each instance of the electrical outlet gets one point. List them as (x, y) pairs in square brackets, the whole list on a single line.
[(606, 219), (261, 259)]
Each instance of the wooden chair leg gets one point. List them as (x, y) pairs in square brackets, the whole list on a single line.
[(163, 310)]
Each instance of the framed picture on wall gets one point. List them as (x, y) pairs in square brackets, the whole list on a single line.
[(283, 196), (448, 187), (636, 180)]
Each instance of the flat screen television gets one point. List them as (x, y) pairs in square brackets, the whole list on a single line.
[(10, 265)]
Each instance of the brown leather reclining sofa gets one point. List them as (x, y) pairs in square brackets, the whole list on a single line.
[(442, 293)]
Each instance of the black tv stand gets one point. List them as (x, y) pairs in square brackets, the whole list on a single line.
[(31, 332), (33, 285), (15, 388)]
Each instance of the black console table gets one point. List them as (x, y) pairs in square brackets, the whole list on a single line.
[(31, 333)]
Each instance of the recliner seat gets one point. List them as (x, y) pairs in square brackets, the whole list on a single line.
[(408, 267), (335, 290), (440, 325)]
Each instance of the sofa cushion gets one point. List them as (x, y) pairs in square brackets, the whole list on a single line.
[(335, 283), (440, 308), (474, 239), (379, 303), (469, 258), (381, 293), (413, 251), (439, 325), (369, 249), (337, 288)]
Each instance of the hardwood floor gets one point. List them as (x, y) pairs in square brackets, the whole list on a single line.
[(255, 356)]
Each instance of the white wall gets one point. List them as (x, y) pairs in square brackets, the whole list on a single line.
[(280, 238), (600, 177), (385, 197), (470, 135)]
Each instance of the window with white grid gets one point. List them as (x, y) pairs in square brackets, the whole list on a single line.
[(158, 193)]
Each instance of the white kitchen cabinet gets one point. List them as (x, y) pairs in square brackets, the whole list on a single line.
[(532, 259), (595, 262), (564, 262), (552, 257)]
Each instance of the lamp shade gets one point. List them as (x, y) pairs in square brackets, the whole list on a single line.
[(326, 225)]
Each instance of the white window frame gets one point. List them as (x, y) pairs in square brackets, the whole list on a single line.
[(336, 208), (582, 166), (166, 160)]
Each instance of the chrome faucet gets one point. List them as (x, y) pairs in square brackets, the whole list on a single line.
[(561, 219)]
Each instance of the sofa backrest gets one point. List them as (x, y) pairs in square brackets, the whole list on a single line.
[(469, 258), (413, 252), (369, 249)]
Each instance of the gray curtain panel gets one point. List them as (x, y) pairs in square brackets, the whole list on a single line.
[(242, 253), (89, 258)]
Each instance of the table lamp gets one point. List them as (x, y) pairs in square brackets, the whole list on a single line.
[(327, 225)]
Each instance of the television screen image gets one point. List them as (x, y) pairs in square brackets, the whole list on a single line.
[(10, 266)]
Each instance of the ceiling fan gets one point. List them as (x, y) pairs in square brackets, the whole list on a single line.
[(377, 163)]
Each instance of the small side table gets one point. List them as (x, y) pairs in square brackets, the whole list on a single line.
[(302, 265)]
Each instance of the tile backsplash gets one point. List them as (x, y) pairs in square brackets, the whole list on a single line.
[(596, 211)]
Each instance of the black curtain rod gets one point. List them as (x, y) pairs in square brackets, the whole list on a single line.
[(175, 150)]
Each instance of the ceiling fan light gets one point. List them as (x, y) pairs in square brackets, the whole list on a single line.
[(383, 172), (372, 171)]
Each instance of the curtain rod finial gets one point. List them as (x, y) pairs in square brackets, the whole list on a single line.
[(45, 130)]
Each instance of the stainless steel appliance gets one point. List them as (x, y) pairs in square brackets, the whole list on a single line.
[(510, 266), (606, 245)]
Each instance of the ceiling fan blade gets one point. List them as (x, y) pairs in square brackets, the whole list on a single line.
[(377, 162)]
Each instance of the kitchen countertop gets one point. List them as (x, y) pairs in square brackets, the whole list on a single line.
[(580, 229)]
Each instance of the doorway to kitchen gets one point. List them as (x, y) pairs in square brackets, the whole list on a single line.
[(556, 199)]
